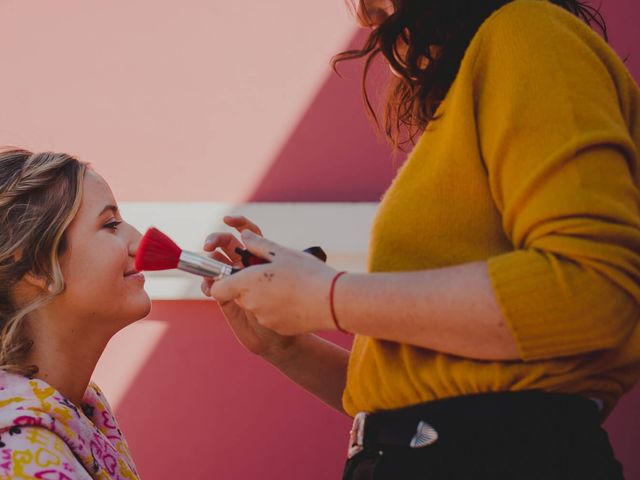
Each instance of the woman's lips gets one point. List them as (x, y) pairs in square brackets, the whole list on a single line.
[(134, 276)]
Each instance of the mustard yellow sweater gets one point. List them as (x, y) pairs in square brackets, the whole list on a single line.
[(532, 167)]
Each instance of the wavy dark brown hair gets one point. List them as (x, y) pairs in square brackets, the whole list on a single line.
[(448, 25)]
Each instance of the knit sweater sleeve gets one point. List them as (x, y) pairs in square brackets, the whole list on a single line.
[(560, 163)]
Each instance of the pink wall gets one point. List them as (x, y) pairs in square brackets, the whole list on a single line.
[(623, 18), (222, 413), (221, 100)]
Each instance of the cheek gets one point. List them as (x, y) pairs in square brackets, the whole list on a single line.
[(95, 272)]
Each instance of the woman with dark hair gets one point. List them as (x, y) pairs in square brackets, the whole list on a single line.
[(497, 325)]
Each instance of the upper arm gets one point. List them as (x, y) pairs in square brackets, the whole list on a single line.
[(560, 158), (561, 163)]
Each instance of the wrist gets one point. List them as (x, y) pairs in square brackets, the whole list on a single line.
[(284, 352), (335, 322)]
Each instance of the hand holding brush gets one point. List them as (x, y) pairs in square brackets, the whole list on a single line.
[(157, 251)]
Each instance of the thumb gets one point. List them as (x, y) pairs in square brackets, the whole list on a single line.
[(227, 288), (260, 246)]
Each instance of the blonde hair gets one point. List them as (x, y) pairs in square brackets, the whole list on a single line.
[(40, 195)]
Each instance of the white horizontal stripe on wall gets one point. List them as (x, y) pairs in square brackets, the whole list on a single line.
[(341, 229)]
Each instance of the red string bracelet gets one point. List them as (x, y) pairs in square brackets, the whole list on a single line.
[(333, 310)]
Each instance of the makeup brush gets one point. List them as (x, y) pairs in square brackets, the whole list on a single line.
[(158, 252)]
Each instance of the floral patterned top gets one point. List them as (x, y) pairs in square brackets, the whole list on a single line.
[(45, 436)]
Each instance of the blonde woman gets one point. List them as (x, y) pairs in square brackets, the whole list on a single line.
[(67, 285)]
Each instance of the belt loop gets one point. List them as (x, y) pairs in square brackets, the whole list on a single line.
[(356, 435)]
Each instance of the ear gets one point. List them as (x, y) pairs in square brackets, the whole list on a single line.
[(37, 281), (30, 279)]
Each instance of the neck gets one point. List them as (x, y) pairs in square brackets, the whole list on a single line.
[(65, 356)]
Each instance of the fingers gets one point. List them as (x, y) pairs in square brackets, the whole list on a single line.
[(221, 257), (225, 290), (241, 223), (205, 286), (261, 246), (207, 282), (227, 242)]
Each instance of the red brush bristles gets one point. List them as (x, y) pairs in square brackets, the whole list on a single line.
[(157, 252)]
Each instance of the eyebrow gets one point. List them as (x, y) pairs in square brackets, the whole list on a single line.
[(113, 208)]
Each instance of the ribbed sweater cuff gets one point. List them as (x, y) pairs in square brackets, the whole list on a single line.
[(553, 307)]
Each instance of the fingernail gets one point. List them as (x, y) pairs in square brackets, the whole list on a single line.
[(247, 234)]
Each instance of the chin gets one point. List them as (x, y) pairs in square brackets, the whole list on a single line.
[(145, 306), (137, 308)]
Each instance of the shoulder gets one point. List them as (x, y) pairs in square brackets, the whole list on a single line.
[(535, 30), (29, 452), (533, 15), (536, 45)]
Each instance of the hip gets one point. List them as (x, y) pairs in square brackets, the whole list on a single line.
[(509, 435)]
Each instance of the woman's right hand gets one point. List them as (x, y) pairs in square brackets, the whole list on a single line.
[(253, 336)]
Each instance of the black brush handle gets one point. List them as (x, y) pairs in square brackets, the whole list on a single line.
[(249, 258)]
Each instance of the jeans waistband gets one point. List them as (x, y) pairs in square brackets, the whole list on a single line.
[(422, 425)]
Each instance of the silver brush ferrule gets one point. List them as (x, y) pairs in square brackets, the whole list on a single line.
[(204, 266)]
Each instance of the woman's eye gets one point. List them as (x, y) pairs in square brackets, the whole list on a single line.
[(112, 225)]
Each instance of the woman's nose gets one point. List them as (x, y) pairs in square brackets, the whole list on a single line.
[(136, 236), (133, 248)]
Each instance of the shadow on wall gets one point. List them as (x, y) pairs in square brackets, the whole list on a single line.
[(333, 154), (204, 408)]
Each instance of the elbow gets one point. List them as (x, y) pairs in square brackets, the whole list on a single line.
[(621, 322), (615, 323)]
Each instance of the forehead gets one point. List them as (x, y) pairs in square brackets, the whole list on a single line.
[(96, 192)]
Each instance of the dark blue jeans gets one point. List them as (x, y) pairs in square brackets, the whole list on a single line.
[(533, 447)]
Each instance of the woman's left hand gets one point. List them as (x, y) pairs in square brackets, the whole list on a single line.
[(289, 295)]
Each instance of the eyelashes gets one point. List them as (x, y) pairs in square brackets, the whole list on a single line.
[(112, 225)]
